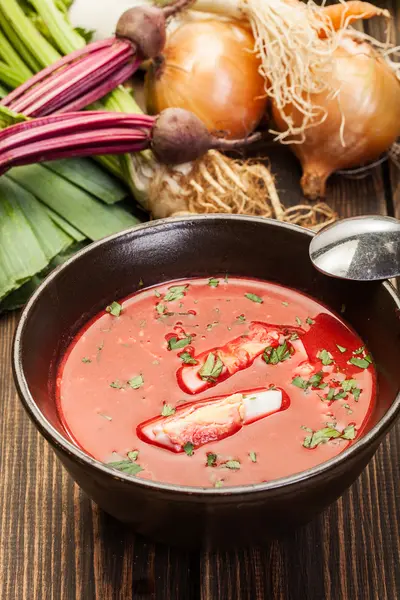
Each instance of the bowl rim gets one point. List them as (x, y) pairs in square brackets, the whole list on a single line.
[(62, 444)]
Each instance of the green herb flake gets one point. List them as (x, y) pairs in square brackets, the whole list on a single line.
[(175, 343), (234, 465), (189, 448), (176, 292), (298, 321), (168, 411), (136, 382), (212, 368), (85, 359), (325, 357), (219, 483), (331, 394), (328, 433), (116, 384), (362, 363), (349, 432), (133, 456), (107, 417), (141, 284), (157, 294), (310, 321), (160, 308), (347, 408), (356, 393), (300, 383), (115, 309), (340, 395), (213, 282), (188, 359), (126, 466), (294, 337), (241, 319), (349, 384), (253, 456), (254, 298), (285, 303), (341, 349), (273, 356), (316, 379), (359, 350), (211, 459)]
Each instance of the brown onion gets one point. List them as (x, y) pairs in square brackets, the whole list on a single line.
[(209, 67), (369, 103)]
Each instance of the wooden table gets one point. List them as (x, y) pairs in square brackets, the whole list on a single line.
[(57, 545)]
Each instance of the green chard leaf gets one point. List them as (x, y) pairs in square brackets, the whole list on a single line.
[(176, 292), (176, 343), (115, 309), (213, 282), (136, 382), (189, 448), (168, 411), (212, 368), (254, 298)]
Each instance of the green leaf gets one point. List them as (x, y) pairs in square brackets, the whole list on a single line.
[(356, 393), (349, 384), (188, 359), (234, 465), (254, 298), (298, 321), (176, 292), (285, 303), (359, 350), (136, 382), (213, 282), (211, 459), (133, 455), (362, 363), (273, 356), (325, 357), (126, 466), (212, 368), (168, 411), (349, 432), (316, 379), (189, 448), (85, 359), (310, 321), (253, 456), (115, 309), (176, 343), (116, 384), (87, 34), (160, 308), (241, 318), (300, 383), (341, 349), (219, 483), (321, 437)]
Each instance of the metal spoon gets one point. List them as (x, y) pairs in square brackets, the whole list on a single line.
[(360, 248)]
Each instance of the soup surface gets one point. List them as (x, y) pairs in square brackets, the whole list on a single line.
[(215, 382)]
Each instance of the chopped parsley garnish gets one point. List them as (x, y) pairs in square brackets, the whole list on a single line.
[(356, 393), (310, 321), (298, 321), (349, 384), (359, 350), (176, 292), (273, 356), (168, 411), (347, 408), (211, 459), (187, 358), (175, 343), (212, 368), (341, 349), (294, 337), (114, 309), (213, 282), (362, 363), (241, 318), (219, 483), (253, 456), (325, 357), (285, 303), (234, 465), (116, 384), (254, 298), (136, 382), (128, 466), (322, 436), (189, 448), (157, 294), (107, 417), (314, 381), (85, 359)]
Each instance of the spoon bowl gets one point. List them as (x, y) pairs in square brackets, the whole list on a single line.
[(360, 249)]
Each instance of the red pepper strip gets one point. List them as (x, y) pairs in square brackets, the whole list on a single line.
[(236, 355), (212, 420)]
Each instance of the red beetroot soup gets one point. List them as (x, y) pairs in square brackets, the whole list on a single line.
[(215, 382)]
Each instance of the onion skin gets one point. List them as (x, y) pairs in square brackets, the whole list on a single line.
[(209, 68), (370, 102)]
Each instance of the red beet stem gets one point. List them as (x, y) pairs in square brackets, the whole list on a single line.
[(65, 60)]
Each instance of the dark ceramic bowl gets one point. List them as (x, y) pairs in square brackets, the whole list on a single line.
[(202, 246)]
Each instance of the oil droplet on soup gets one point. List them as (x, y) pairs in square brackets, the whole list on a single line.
[(215, 382)]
